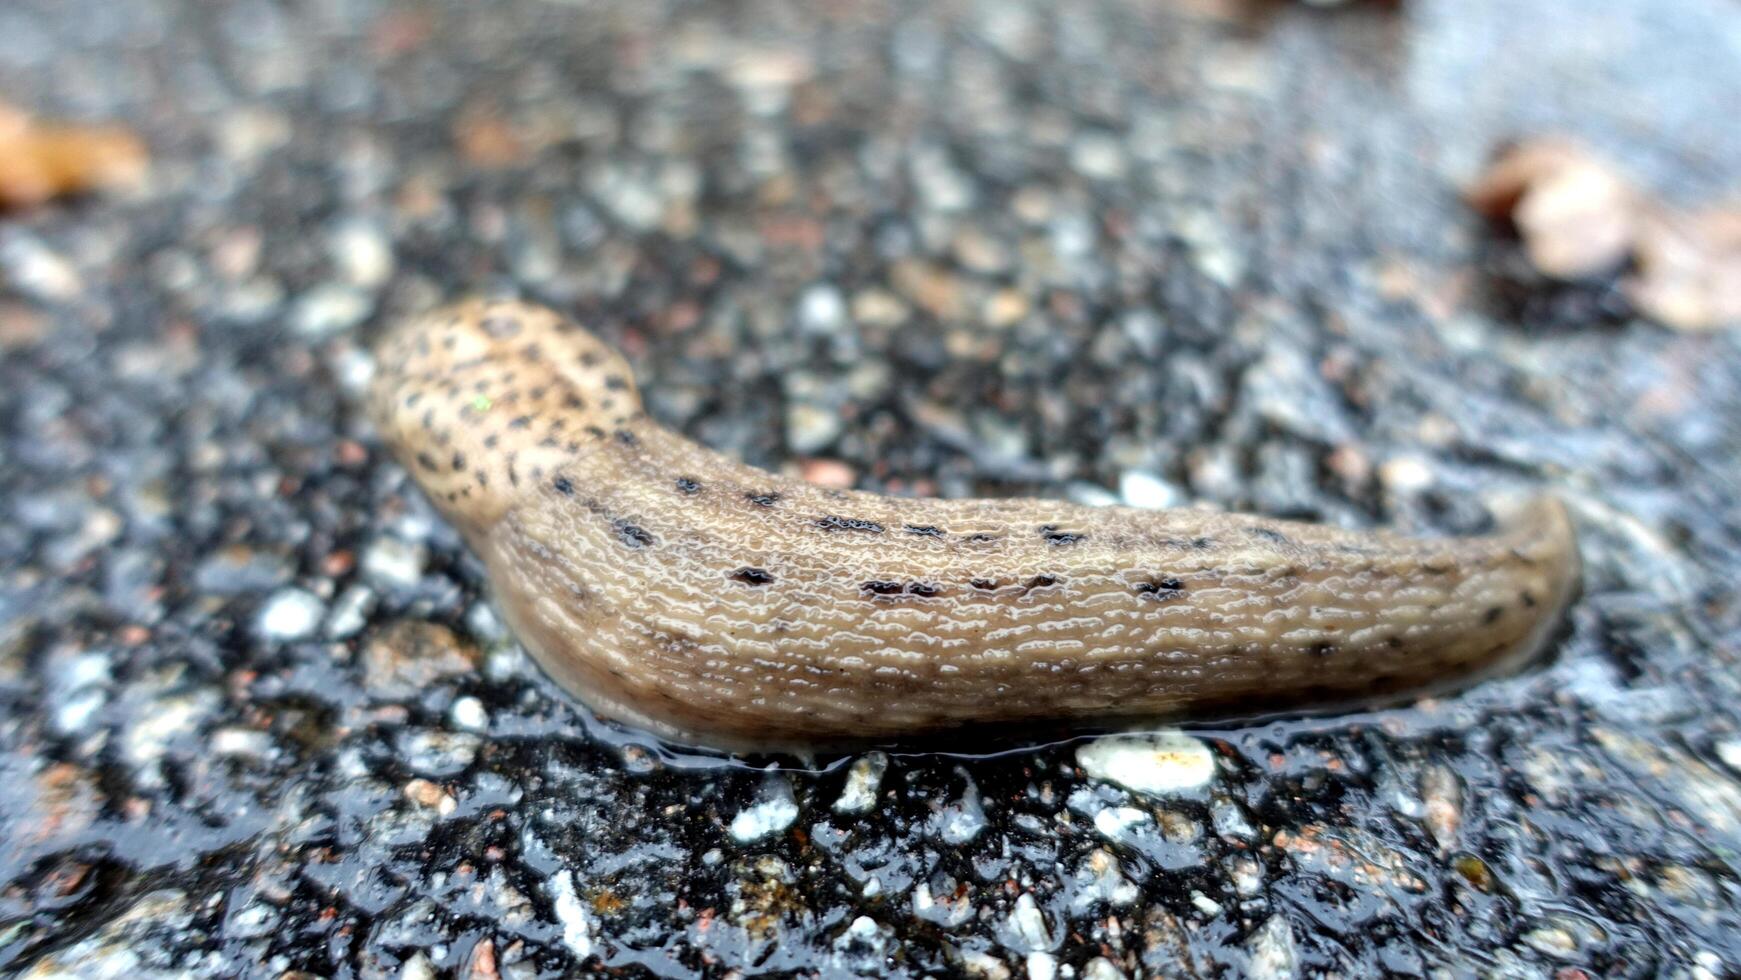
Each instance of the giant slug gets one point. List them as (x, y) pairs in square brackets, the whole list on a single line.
[(707, 601)]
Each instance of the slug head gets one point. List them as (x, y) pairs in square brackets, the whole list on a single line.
[(481, 397)]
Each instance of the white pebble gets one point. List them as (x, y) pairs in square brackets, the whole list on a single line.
[(772, 813), (1029, 924), (1730, 753), (1161, 764), (289, 614), (392, 563), (1101, 968), (1142, 489), (862, 780), (571, 914), (1042, 966), (330, 309), (468, 713)]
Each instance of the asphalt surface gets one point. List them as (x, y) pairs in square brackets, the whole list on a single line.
[(256, 717)]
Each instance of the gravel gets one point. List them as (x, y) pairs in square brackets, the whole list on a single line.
[(258, 718)]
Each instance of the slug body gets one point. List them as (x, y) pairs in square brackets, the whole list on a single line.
[(707, 601)]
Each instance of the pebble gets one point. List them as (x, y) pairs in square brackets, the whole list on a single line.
[(1729, 750), (863, 778), (1027, 924), (1406, 475), (959, 822), (349, 613), (1271, 951), (1042, 966), (1101, 968), (439, 754), (468, 713), (821, 310), (1161, 764), (289, 614), (362, 253), (1143, 489), (329, 309), (571, 915), (773, 811), (810, 427), (394, 564)]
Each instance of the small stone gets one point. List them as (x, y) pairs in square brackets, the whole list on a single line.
[(571, 915), (391, 563), (821, 310), (1142, 489), (1113, 821), (1042, 966), (407, 657), (329, 309), (468, 713), (1101, 968), (1271, 951), (773, 811), (1027, 924), (362, 253), (862, 779), (439, 754), (427, 794), (961, 821), (1006, 308), (349, 613), (241, 742), (1162, 764), (810, 427), (984, 965), (831, 473), (289, 614), (1406, 475), (1730, 752)]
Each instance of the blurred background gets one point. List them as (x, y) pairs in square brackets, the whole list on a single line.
[(257, 717)]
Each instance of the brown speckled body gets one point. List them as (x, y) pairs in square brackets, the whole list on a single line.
[(674, 588)]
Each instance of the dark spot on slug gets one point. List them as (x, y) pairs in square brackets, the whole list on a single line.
[(834, 523), (1323, 649), (501, 327), (981, 538), (521, 422), (590, 358), (924, 590), (1528, 599), (427, 461), (923, 530), (631, 535), (626, 437), (1270, 535), (983, 584), (686, 485), (1162, 589), (1039, 582), (1057, 538), (563, 486), (595, 432), (1395, 642), (573, 402), (879, 587), (458, 462), (752, 576), (616, 383), (1492, 615), (762, 499)]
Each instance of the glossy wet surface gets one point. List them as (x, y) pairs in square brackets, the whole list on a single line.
[(256, 718)]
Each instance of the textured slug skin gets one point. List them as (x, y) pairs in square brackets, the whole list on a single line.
[(673, 588)]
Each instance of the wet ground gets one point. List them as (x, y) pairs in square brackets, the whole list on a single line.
[(256, 717)]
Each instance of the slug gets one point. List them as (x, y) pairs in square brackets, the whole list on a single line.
[(709, 602)]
